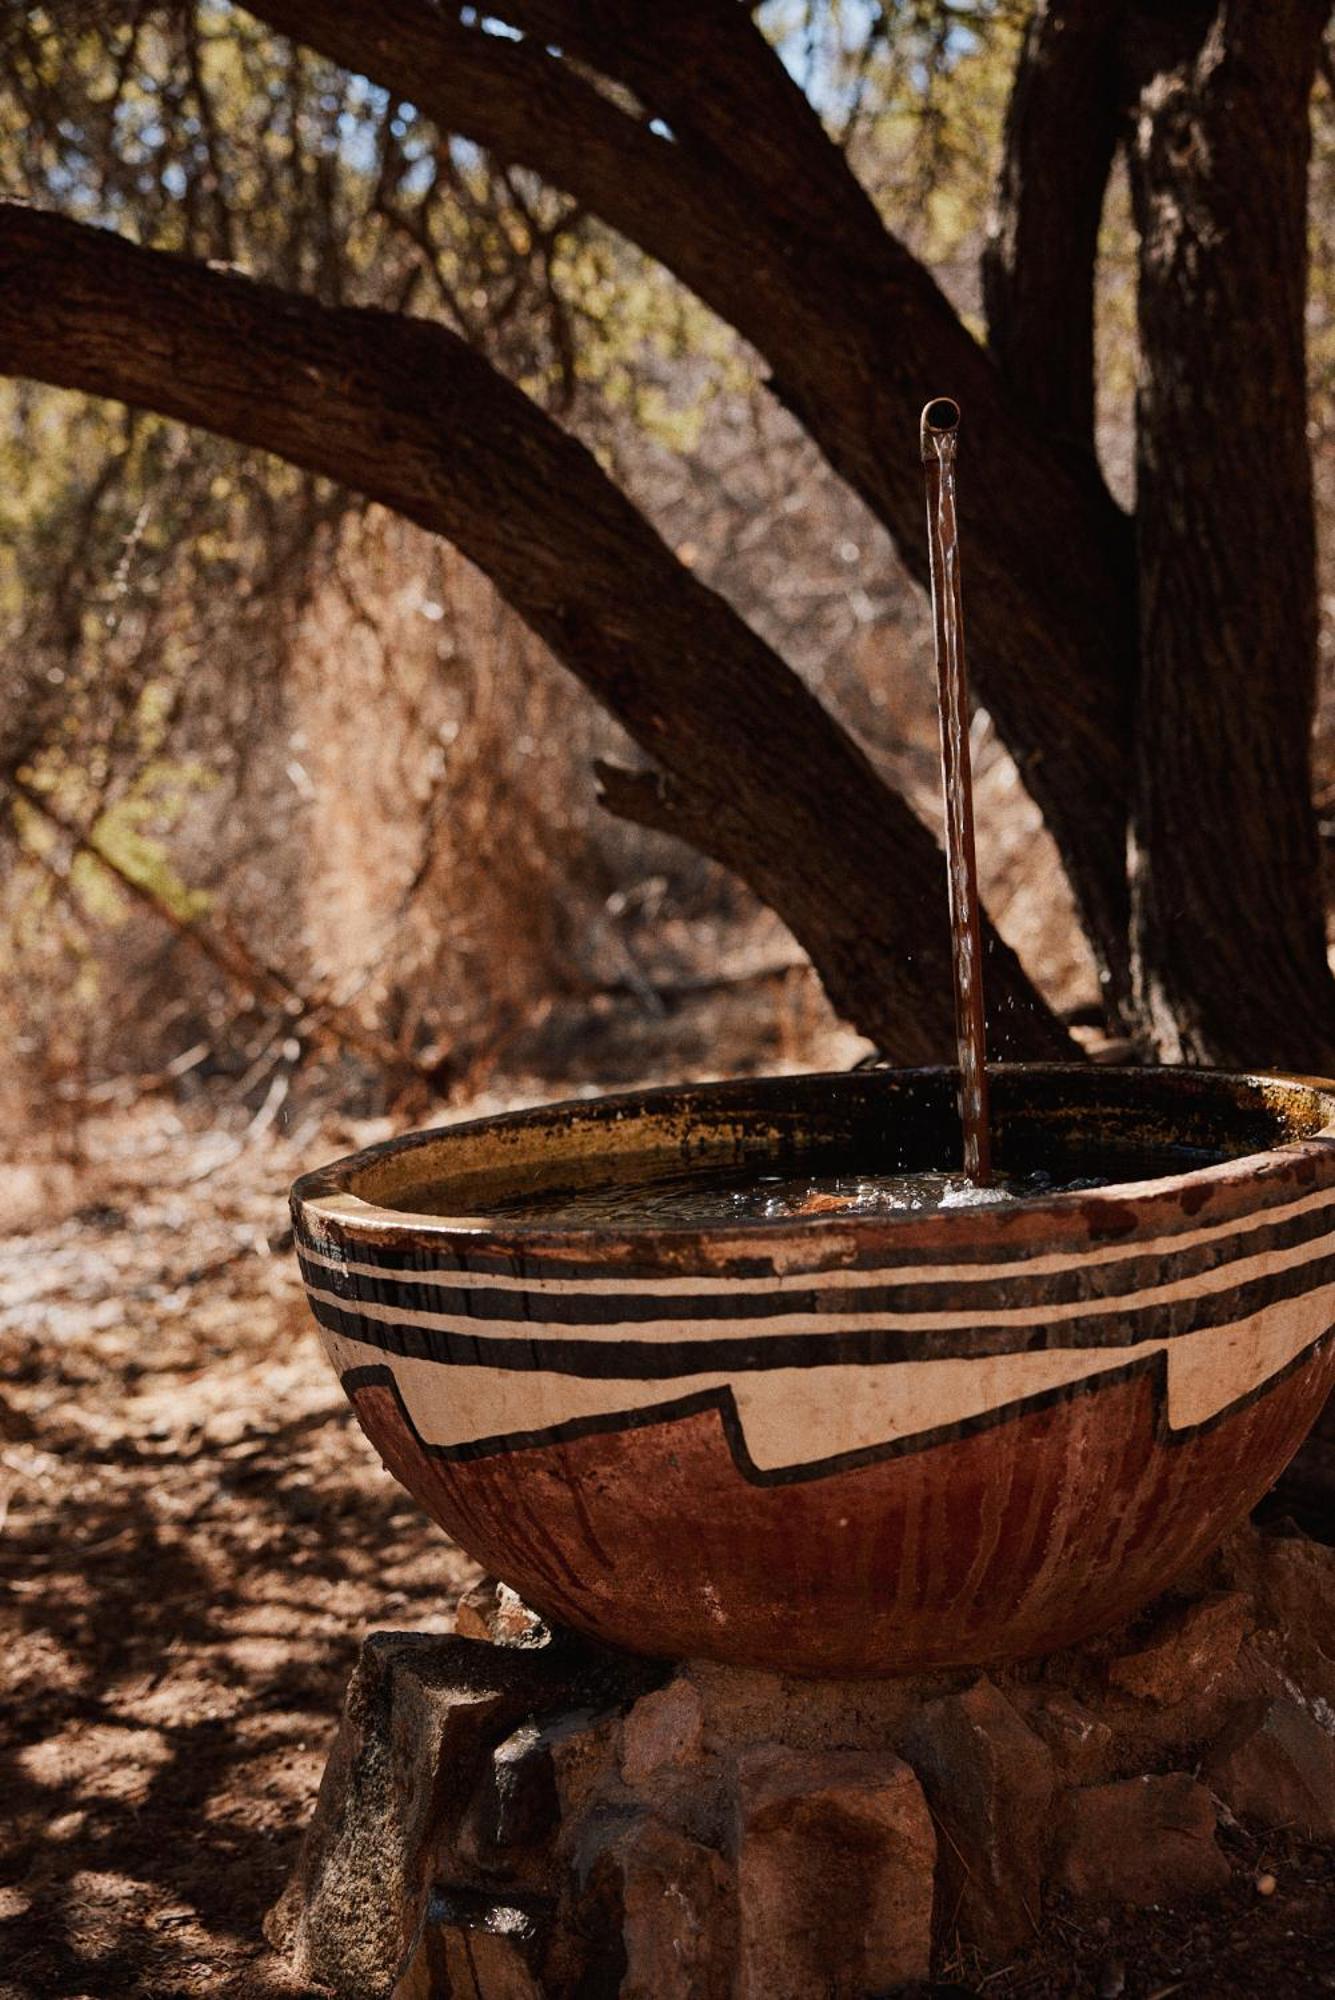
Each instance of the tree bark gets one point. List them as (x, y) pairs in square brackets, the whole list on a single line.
[(751, 204), (1062, 127), (753, 769), (1228, 924)]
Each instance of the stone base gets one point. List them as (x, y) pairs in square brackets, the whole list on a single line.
[(518, 1815)]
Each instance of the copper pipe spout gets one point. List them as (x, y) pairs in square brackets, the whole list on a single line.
[(940, 418)]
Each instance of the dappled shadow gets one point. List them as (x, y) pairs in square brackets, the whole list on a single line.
[(192, 1573)]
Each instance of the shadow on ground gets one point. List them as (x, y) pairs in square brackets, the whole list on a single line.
[(196, 1539)]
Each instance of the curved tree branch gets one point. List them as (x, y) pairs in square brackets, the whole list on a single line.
[(1038, 267), (693, 66), (405, 412), (764, 220)]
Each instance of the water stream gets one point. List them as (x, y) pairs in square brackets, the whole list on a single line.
[(940, 439)]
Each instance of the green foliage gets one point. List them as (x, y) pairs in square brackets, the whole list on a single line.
[(130, 832), (124, 834)]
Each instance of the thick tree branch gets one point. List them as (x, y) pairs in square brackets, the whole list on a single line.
[(651, 799), (1038, 268), (764, 220), (405, 412), (693, 66)]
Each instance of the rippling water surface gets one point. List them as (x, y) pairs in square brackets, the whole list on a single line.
[(707, 1193)]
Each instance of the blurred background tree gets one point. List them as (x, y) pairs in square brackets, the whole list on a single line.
[(288, 783)]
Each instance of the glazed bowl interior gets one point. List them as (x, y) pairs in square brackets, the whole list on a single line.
[(1115, 1126)]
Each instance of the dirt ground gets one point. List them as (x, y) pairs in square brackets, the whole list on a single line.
[(195, 1540)]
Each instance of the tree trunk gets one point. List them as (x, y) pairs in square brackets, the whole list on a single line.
[(1228, 920), (1043, 235), (750, 767)]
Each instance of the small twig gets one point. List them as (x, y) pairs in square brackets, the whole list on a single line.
[(318, 1019), (272, 1105)]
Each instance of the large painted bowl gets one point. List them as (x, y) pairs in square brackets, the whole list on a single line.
[(843, 1445)]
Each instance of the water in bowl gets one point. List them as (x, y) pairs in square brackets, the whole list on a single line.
[(658, 1195)]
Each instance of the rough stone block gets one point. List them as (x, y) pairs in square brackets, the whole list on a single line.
[(1295, 1581), (743, 1707), (990, 1781), (1188, 1653), (582, 1748), (475, 1610), (498, 1616), (466, 1945), (1144, 1841), (1082, 1745), (420, 1719), (1275, 1764), (662, 1732), (536, 1781), (658, 1912), (514, 1815), (835, 1862)]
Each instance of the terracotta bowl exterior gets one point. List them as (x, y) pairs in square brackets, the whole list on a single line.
[(842, 1445)]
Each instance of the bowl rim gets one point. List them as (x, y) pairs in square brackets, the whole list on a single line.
[(324, 1205)]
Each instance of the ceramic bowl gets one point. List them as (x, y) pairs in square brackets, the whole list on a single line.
[(836, 1444)]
